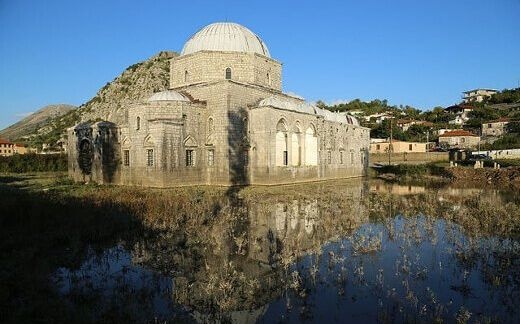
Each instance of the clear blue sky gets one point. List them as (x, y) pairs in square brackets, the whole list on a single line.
[(421, 53)]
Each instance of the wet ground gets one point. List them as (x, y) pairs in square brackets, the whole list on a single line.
[(346, 251)]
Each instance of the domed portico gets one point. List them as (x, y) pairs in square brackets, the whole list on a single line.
[(225, 120)]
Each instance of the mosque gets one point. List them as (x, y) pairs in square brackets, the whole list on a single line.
[(224, 121)]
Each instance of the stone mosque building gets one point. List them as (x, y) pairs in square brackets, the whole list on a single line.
[(224, 121)]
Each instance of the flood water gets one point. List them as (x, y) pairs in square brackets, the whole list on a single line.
[(348, 251)]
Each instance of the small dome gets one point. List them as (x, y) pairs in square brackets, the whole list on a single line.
[(168, 95), (227, 37)]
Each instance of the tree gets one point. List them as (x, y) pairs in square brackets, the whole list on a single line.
[(321, 104), (513, 127), (505, 96), (417, 133), (383, 131), (437, 115), (480, 115)]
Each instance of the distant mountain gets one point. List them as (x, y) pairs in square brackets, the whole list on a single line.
[(35, 122), (136, 82)]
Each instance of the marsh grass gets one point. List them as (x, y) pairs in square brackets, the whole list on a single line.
[(48, 222), (483, 214), (227, 253)]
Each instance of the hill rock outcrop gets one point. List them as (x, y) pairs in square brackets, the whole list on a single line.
[(138, 81)]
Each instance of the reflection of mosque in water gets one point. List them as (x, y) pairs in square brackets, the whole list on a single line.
[(253, 245), (448, 193), (396, 189)]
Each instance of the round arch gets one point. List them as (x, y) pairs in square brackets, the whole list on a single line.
[(281, 147)]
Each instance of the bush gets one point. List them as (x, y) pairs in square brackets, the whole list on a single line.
[(508, 162), (413, 170), (33, 163), (507, 141)]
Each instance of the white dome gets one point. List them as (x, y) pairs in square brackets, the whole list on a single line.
[(168, 95), (227, 37)]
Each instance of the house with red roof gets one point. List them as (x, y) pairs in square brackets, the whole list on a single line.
[(459, 139), (6, 147)]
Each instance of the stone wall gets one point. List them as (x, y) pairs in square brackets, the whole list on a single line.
[(460, 141), (341, 150), (169, 130), (501, 154), (208, 66), (231, 141), (409, 157), (94, 154), (494, 129)]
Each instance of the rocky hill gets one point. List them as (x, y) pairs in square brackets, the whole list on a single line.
[(35, 122), (137, 82)]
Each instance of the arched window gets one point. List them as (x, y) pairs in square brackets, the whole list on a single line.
[(210, 126), (149, 147), (149, 157), (186, 76), (138, 123), (281, 152), (228, 74), (246, 126)]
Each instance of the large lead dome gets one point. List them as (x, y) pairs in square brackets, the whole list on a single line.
[(229, 37)]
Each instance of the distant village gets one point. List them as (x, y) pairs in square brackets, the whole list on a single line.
[(8, 148), (456, 132)]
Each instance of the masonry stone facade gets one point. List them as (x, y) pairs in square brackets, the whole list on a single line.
[(224, 121)]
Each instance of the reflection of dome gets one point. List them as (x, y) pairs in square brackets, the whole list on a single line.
[(227, 37), (168, 95)]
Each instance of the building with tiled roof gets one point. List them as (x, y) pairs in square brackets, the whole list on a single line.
[(495, 128), (397, 146), (6, 147), (459, 139), (477, 95)]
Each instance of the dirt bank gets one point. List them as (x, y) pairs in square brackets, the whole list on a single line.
[(507, 176)]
